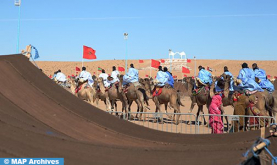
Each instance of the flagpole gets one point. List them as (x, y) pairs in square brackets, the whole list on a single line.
[(150, 70), (18, 28), (194, 66), (126, 38)]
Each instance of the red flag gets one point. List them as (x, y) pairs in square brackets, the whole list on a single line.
[(185, 75), (275, 77), (68, 76), (174, 76), (155, 63), (268, 76), (147, 75), (192, 77), (185, 70), (78, 69), (162, 61), (50, 76), (121, 69), (72, 75), (188, 60), (88, 53), (141, 61)]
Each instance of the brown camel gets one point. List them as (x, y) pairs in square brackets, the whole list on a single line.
[(240, 108), (168, 96), (137, 92), (149, 86), (115, 93), (101, 93), (266, 102), (201, 97), (84, 91)]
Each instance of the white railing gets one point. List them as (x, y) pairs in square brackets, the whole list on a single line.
[(188, 124), (232, 123)]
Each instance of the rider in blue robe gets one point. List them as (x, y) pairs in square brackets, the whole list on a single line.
[(226, 71), (132, 75), (170, 79), (247, 76), (263, 81), (162, 77), (205, 76)]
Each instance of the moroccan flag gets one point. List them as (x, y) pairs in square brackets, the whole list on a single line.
[(188, 60), (72, 75), (88, 53), (162, 60), (99, 69), (78, 69), (185, 70), (155, 63), (141, 61), (174, 76), (50, 76), (147, 75), (121, 69), (185, 75), (268, 76)]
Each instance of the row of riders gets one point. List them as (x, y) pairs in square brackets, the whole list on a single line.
[(251, 93), (129, 88)]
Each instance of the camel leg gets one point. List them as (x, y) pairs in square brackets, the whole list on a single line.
[(197, 114), (158, 110), (97, 102), (129, 107), (202, 111), (193, 103), (139, 109), (169, 116), (108, 104)]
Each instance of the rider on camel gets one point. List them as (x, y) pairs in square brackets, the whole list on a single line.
[(105, 76), (60, 77), (204, 77), (132, 76), (162, 77), (115, 75), (246, 79), (263, 81), (170, 79), (86, 76)]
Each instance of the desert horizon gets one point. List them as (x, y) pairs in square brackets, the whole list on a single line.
[(68, 67)]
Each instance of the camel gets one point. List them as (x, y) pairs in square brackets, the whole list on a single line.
[(101, 93), (241, 108), (149, 86), (85, 92), (266, 101), (136, 92), (201, 97), (116, 94), (167, 96)]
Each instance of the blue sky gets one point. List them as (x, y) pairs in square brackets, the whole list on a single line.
[(207, 29)]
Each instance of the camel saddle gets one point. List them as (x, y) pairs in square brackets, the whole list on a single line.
[(157, 91), (78, 88), (198, 90)]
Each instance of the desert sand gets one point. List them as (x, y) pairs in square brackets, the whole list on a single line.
[(234, 66)]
